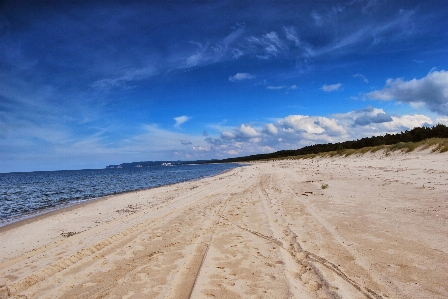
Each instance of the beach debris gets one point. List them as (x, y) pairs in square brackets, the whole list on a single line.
[(307, 193), (130, 209), (69, 234)]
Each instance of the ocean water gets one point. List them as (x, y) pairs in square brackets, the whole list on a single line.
[(27, 194)]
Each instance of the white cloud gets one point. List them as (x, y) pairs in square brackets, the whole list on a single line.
[(291, 34), (379, 118), (296, 131), (300, 123), (245, 131), (272, 43), (195, 59), (125, 79), (276, 87), (240, 77), (417, 105), (266, 46), (399, 123), (372, 121), (431, 90), (152, 135), (317, 18), (366, 116), (362, 77), (442, 120), (180, 120), (331, 126), (233, 36), (201, 149), (200, 56), (236, 53), (232, 152), (271, 129), (279, 87), (388, 29), (227, 135), (331, 87)]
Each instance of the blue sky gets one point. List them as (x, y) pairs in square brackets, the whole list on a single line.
[(84, 84)]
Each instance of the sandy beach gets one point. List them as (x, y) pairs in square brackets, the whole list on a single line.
[(267, 230)]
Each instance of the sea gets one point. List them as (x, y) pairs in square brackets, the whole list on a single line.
[(28, 194)]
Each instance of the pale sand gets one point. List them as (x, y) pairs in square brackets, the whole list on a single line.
[(263, 231)]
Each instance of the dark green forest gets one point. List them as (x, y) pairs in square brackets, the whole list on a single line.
[(415, 135)]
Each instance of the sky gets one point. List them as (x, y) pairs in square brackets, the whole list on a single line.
[(86, 84)]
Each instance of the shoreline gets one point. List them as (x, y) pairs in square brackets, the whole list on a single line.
[(378, 231), (39, 214)]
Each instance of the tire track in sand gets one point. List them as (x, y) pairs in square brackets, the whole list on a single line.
[(89, 254), (185, 280), (303, 257), (309, 274)]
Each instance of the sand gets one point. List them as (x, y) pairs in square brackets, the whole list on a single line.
[(268, 230)]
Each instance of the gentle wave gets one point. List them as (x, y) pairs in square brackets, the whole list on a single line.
[(23, 195)]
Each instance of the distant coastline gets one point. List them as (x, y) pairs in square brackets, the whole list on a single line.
[(142, 164)]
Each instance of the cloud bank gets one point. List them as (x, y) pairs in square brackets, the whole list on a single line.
[(296, 131), (431, 91)]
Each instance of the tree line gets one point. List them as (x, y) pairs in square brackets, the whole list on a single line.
[(415, 135)]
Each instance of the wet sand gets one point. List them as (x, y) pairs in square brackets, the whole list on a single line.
[(268, 230)]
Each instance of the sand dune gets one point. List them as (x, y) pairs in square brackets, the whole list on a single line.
[(268, 230)]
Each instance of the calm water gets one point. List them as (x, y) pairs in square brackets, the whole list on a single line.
[(27, 194)]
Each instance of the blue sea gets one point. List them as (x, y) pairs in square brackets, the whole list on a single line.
[(27, 194)]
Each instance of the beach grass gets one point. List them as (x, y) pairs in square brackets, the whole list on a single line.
[(435, 144)]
